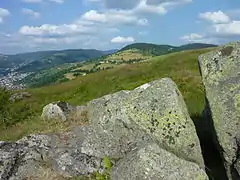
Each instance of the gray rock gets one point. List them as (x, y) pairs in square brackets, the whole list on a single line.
[(22, 159), (59, 152), (59, 111), (19, 96), (153, 163), (220, 71), (155, 110), (66, 155)]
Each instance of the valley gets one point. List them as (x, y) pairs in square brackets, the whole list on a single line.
[(52, 67)]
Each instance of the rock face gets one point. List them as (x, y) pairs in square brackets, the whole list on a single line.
[(221, 77), (23, 158), (147, 133), (60, 152), (156, 109), (153, 163)]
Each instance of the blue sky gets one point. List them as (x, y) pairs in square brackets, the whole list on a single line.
[(32, 25)]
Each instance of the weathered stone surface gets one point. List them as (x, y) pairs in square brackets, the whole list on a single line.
[(66, 155), (220, 71), (60, 111), (153, 163), (155, 110), (60, 152), (22, 159)]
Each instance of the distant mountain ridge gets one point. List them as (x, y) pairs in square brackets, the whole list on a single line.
[(34, 61), (154, 49), (37, 61)]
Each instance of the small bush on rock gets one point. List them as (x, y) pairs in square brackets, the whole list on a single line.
[(107, 168)]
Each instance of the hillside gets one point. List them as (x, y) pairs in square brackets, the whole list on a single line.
[(182, 67), (154, 49), (34, 61), (150, 49), (134, 53), (195, 46)]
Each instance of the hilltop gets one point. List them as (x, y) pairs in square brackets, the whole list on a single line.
[(154, 49), (134, 53)]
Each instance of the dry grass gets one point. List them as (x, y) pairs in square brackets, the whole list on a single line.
[(87, 66), (127, 55), (39, 126), (70, 76), (46, 173)]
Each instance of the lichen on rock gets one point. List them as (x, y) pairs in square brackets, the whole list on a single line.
[(221, 77)]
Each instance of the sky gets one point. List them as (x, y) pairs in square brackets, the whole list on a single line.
[(34, 25)]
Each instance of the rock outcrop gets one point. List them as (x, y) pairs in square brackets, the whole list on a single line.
[(157, 109), (154, 163), (150, 124), (61, 111), (220, 71)]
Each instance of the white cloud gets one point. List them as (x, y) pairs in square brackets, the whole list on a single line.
[(221, 30), (3, 13), (199, 38), (94, 1), (55, 30), (122, 40), (94, 15), (30, 12), (32, 1), (229, 29), (192, 37), (143, 7), (147, 5), (57, 1), (215, 17), (112, 17), (40, 1)]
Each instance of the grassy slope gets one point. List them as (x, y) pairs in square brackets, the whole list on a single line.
[(127, 55), (182, 67)]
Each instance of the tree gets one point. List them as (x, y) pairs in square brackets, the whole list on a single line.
[(4, 105)]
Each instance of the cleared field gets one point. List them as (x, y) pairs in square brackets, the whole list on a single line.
[(127, 55), (70, 76)]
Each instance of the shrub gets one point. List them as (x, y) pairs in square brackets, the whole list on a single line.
[(4, 105), (107, 168), (12, 112)]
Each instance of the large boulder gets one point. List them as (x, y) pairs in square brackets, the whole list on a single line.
[(58, 154), (122, 121), (152, 163), (220, 71)]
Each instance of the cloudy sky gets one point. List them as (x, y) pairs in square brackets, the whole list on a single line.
[(32, 25)]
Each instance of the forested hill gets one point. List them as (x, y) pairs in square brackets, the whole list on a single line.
[(28, 62), (156, 50)]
